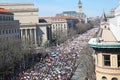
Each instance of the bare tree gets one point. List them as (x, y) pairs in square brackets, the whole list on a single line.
[(81, 28), (13, 55), (87, 61)]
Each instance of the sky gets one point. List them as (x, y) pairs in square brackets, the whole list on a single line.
[(91, 8)]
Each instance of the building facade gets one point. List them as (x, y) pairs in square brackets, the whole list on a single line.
[(9, 28), (107, 49), (60, 24), (27, 15)]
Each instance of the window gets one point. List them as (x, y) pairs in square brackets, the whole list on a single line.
[(3, 18), (105, 26), (3, 32), (9, 31), (15, 31), (114, 79), (0, 18), (118, 60), (18, 30), (104, 78), (6, 31), (106, 60)]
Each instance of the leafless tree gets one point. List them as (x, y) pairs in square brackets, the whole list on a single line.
[(81, 28), (88, 61)]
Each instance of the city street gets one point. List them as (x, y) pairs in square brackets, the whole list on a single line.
[(62, 62)]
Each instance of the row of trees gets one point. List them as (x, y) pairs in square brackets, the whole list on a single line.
[(87, 61), (81, 28), (78, 29)]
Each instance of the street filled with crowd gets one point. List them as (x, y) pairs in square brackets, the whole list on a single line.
[(62, 60)]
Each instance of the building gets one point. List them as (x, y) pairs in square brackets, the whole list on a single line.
[(107, 49), (79, 7), (79, 14), (60, 24), (44, 33), (27, 15), (9, 28)]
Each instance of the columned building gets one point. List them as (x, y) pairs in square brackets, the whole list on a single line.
[(9, 28), (27, 15), (107, 49)]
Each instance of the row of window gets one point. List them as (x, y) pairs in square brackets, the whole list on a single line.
[(104, 78), (9, 31), (58, 25), (107, 61), (10, 37), (6, 18), (58, 19)]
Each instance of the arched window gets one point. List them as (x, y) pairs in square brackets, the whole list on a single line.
[(114, 78), (105, 26), (104, 78)]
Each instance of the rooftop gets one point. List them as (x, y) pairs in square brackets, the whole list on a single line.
[(59, 17), (105, 40), (15, 4), (4, 10)]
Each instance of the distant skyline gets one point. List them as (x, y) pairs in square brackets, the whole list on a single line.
[(51, 7)]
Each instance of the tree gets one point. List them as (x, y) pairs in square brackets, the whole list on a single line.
[(81, 28), (71, 32), (13, 54), (88, 62), (59, 36), (10, 53)]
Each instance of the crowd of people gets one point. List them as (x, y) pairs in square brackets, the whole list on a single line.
[(62, 61)]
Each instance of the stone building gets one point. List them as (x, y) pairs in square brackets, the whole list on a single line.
[(60, 24), (107, 49), (27, 15), (9, 28)]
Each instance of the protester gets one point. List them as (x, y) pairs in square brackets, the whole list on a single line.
[(61, 63)]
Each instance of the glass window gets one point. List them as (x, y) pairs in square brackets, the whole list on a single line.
[(3, 18), (118, 60), (114, 79), (106, 60), (104, 78), (17, 30), (3, 32), (9, 31), (0, 18)]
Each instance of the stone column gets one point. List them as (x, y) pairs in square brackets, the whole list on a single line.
[(21, 31), (35, 37), (26, 35), (31, 35)]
